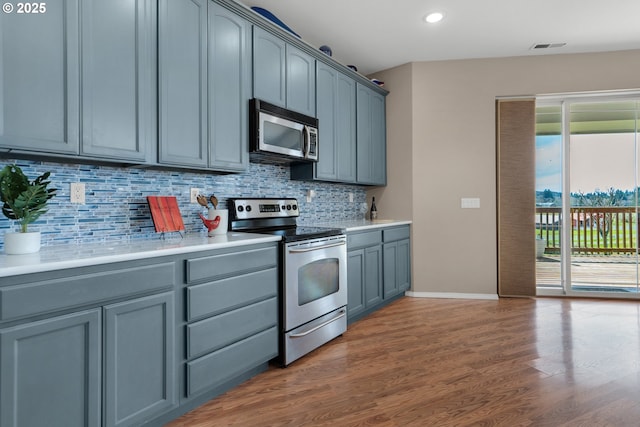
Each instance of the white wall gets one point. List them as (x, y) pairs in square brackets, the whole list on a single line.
[(441, 147)]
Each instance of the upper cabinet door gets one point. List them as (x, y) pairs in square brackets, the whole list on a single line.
[(269, 61), (336, 101), (182, 59), (39, 79), (346, 128), (119, 79), (371, 137), (229, 89), (301, 82), (327, 83)]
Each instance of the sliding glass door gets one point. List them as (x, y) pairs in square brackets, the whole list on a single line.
[(587, 172)]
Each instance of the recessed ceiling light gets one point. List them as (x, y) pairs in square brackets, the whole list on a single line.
[(434, 17)]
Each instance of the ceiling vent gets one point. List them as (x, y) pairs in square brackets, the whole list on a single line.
[(547, 45)]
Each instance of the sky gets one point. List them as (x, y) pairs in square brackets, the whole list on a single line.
[(598, 162)]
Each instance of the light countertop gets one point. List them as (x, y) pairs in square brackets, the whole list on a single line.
[(362, 224), (59, 257)]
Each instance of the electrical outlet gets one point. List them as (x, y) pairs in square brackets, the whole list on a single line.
[(77, 193), (194, 195)]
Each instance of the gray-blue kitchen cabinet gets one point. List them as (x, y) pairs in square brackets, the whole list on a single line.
[(230, 76), (336, 110), (205, 85), (140, 373), (269, 65), (40, 80), (355, 281), (397, 262), (378, 267), (51, 372), (88, 346), (301, 81), (283, 75), (371, 137), (373, 275), (118, 75), (232, 316), (182, 63), (364, 272)]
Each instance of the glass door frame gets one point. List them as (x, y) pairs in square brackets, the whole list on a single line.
[(565, 102)]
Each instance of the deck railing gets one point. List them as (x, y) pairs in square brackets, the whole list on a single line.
[(600, 229)]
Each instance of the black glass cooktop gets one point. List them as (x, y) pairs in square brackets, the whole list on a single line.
[(294, 234)]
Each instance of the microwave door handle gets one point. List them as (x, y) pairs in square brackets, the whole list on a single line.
[(307, 144)]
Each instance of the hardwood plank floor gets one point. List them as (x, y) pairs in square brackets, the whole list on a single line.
[(439, 362)]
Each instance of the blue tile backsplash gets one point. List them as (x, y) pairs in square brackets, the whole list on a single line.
[(116, 206)]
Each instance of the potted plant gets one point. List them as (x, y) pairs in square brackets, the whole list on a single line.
[(24, 202)]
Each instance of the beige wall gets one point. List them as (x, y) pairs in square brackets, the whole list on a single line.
[(441, 148)]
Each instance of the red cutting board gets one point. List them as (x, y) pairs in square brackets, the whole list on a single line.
[(165, 213)]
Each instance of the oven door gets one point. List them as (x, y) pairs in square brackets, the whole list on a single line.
[(315, 279)]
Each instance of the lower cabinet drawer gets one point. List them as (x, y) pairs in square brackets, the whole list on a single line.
[(105, 283), (396, 233), (227, 294), (219, 331), (229, 362), (363, 239)]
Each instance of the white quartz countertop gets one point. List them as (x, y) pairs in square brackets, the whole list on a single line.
[(362, 224), (59, 257)]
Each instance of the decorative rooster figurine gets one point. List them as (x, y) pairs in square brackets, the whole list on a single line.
[(211, 224)]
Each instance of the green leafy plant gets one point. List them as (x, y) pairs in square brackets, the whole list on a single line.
[(22, 200)]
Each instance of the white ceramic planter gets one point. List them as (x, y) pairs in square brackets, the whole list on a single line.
[(224, 221), (21, 243)]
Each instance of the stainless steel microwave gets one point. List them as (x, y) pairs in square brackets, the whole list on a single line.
[(281, 135)]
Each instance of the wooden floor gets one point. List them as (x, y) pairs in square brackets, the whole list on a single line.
[(438, 362)]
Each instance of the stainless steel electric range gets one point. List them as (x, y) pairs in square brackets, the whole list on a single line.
[(313, 275)]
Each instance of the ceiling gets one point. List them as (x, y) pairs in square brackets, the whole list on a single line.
[(375, 35)]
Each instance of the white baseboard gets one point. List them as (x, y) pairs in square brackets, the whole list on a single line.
[(454, 295)]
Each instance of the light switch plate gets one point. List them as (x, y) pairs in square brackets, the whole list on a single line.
[(470, 203)]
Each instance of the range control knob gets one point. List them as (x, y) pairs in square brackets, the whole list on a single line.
[(288, 207), (248, 208), (294, 207), (240, 208)]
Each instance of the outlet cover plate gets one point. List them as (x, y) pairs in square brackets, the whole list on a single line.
[(77, 193)]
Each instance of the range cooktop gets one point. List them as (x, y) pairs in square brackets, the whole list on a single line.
[(276, 216)]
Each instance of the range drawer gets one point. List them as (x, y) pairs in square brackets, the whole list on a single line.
[(227, 294), (226, 363), (227, 264), (219, 331), (106, 283), (396, 233), (364, 239)]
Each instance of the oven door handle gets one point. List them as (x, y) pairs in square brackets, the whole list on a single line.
[(316, 248), (343, 313)]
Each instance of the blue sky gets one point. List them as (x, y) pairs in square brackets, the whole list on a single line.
[(549, 163)]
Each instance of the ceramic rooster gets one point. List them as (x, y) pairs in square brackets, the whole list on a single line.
[(211, 224)]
